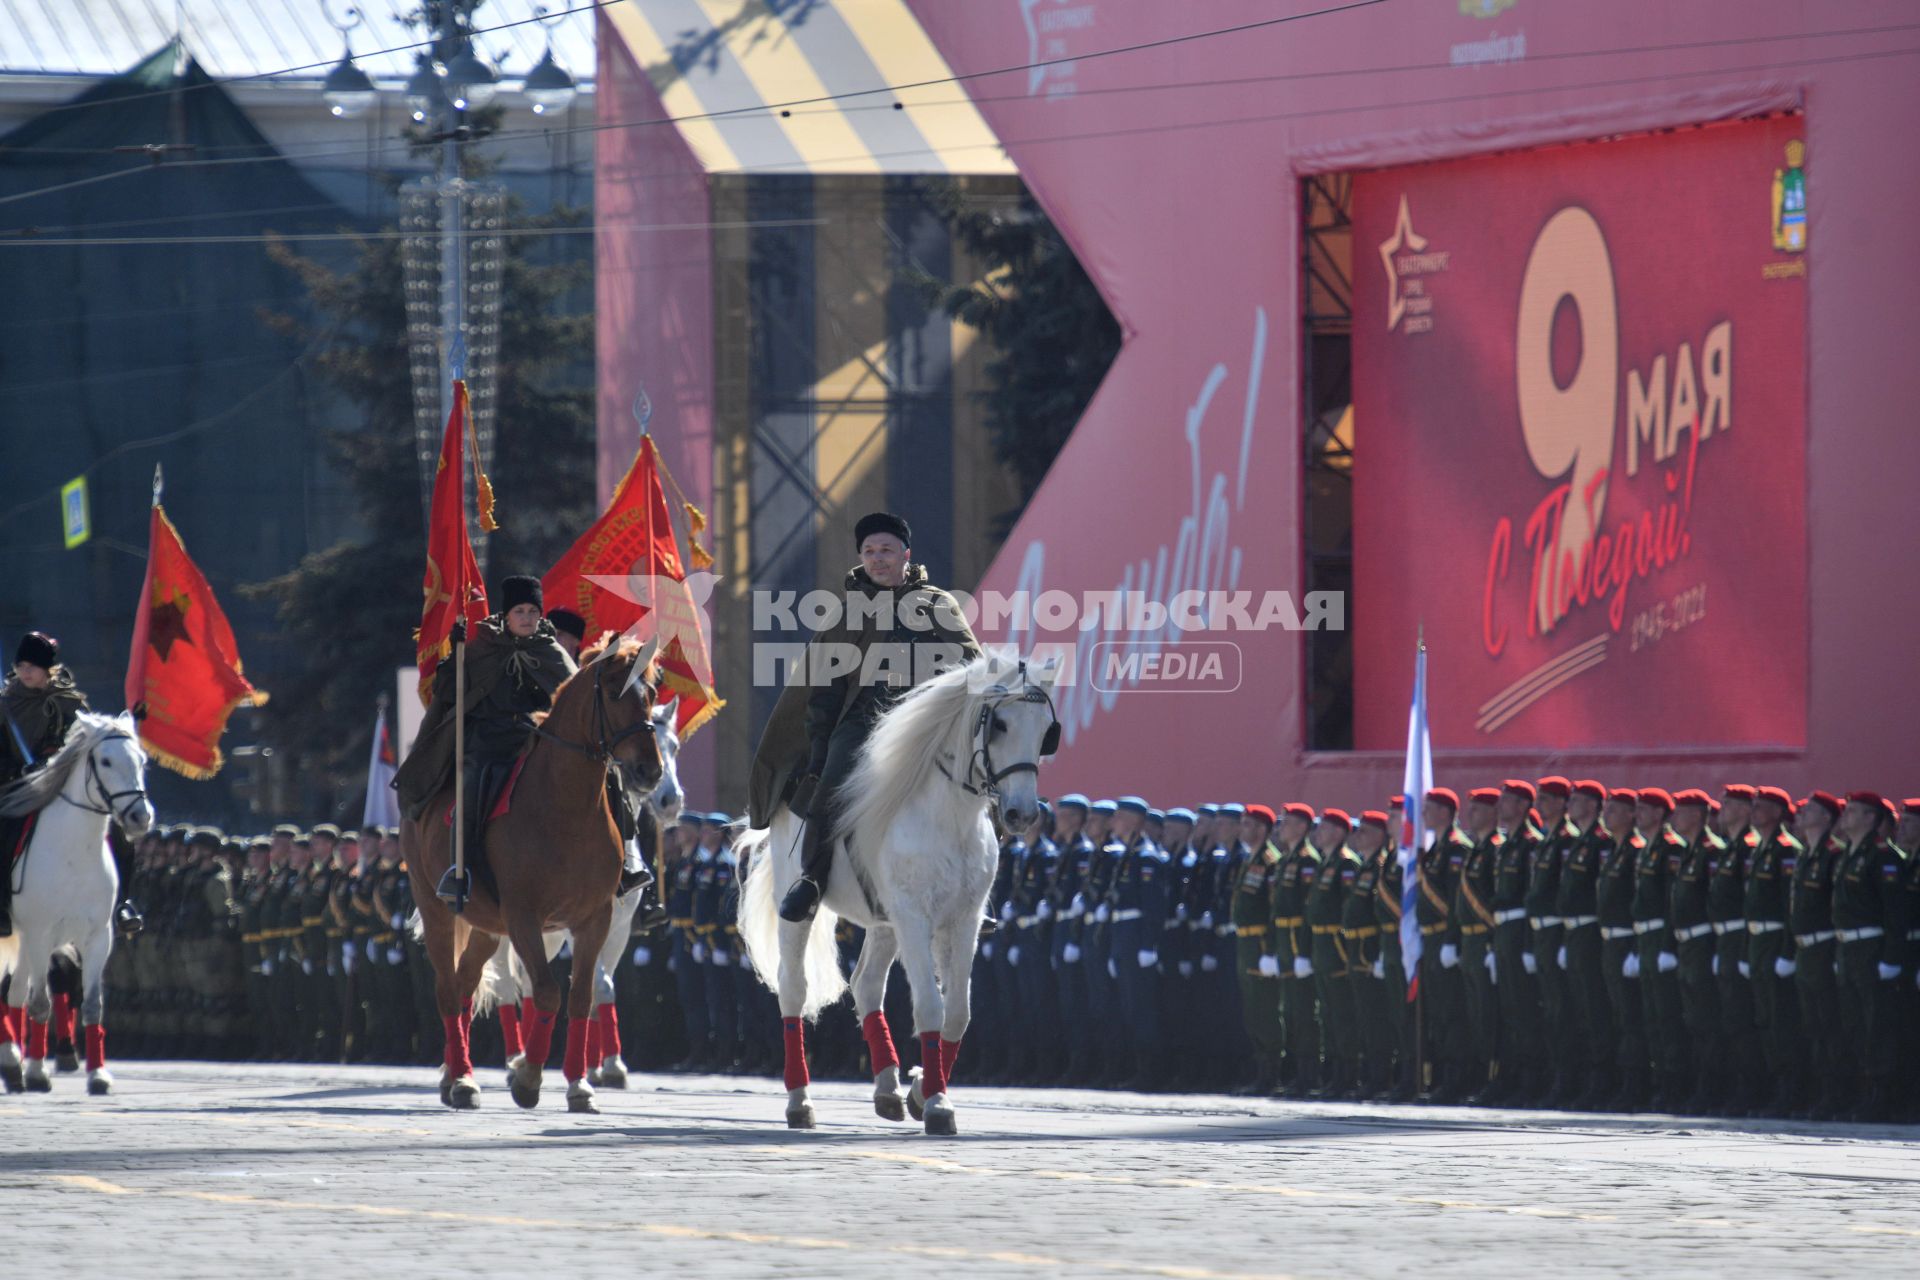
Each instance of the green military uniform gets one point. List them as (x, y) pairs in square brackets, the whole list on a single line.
[(1472, 936), (1401, 1027), (1739, 1028), (1770, 870), (1299, 1020), (1613, 897), (1548, 1023), (1253, 938), (1653, 876), (319, 963), (1366, 977), (1815, 981), (1870, 915), (1689, 917), (284, 935), (253, 949), (1444, 1002), (1586, 1015), (1335, 882), (1522, 1049)]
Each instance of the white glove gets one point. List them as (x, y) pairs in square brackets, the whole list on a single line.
[(1449, 955), (1269, 966), (673, 963), (399, 922), (699, 953), (1668, 962), (1209, 963), (1206, 919), (1113, 968), (1716, 966), (306, 967), (1079, 905), (396, 956), (1070, 953), (1044, 911), (266, 968), (642, 957), (1888, 972), (1380, 968), (1631, 969), (1148, 958), (1783, 967), (1746, 970), (346, 962), (1186, 968), (1492, 962), (1302, 967), (1007, 912), (1180, 911), (1529, 962), (1013, 955), (1101, 912), (986, 951), (1560, 958), (721, 958)]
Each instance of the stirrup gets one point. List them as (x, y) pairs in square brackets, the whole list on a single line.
[(455, 887), (128, 920), (802, 901)]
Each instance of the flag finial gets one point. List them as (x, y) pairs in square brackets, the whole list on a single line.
[(159, 483), (1420, 635)]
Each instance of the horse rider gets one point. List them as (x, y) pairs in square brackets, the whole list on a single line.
[(514, 665), (904, 632), (38, 704)]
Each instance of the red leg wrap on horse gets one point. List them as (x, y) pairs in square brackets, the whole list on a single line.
[(459, 1059), (36, 1038), (11, 1018), (539, 1032), (574, 1065), (949, 1054), (592, 1025), (96, 1047), (609, 1032), (62, 1023), (510, 1028), (794, 1033), (879, 1041), (933, 1066)]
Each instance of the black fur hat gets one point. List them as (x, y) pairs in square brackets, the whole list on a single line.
[(39, 648), (882, 522), (520, 589)]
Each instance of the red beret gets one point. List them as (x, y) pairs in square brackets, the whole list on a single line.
[(1656, 796), (1373, 818), (1554, 784), (1739, 791), (1871, 799), (1776, 795), (1826, 800), (1398, 802), (1693, 795), (1624, 793), (1713, 806), (1298, 810), (1337, 815), (1911, 806), (1886, 807), (1520, 786), (1589, 787), (1261, 812), (1446, 796), (1484, 795)]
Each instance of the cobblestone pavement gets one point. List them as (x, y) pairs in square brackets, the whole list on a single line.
[(197, 1169)]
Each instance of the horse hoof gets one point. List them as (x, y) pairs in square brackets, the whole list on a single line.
[(916, 1104), (595, 1079), (800, 1117), (890, 1106), (526, 1096), (100, 1085), (613, 1074), (37, 1081), (10, 1077), (463, 1094), (66, 1063), (940, 1122), (446, 1092)]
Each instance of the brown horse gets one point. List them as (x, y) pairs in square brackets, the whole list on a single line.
[(554, 857)]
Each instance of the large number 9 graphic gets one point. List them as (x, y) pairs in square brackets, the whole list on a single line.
[(1568, 428)]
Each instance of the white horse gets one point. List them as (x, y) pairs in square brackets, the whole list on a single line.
[(506, 983), (66, 886), (913, 866)]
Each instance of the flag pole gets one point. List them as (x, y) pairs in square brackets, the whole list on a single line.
[(458, 900), (1420, 873)]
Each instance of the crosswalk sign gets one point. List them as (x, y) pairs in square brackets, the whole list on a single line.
[(74, 518)]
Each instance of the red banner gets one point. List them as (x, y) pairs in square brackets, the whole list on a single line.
[(184, 668), (1580, 443), (452, 586)]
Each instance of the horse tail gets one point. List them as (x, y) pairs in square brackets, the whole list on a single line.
[(497, 985), (759, 924), (416, 927)]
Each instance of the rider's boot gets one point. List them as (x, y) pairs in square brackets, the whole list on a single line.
[(634, 871), (816, 857), (9, 836)]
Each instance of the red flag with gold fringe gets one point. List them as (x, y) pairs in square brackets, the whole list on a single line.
[(184, 668), (625, 574), (452, 586)]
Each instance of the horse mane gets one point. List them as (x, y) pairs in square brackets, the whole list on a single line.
[(609, 647), (903, 756), (38, 789)]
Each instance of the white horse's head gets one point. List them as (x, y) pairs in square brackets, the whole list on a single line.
[(1015, 729), (117, 774), (667, 796)]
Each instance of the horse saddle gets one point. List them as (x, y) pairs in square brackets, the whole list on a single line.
[(494, 797), (17, 833)]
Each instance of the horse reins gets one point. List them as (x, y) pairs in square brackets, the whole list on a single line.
[(607, 739), (980, 765), (96, 782)]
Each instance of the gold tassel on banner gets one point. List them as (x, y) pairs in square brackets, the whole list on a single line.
[(698, 556), (482, 487)]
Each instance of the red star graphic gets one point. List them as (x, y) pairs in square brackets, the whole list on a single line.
[(167, 621)]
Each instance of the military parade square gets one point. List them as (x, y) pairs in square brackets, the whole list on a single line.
[(1260, 639)]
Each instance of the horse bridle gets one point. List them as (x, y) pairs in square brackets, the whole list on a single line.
[(95, 782), (607, 739), (980, 766)]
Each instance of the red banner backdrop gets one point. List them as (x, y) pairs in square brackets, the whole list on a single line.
[(1580, 437)]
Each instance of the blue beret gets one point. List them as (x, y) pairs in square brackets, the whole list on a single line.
[(718, 819), (1133, 804), (1104, 806), (1182, 814), (1046, 810), (1073, 800), (1209, 810), (1156, 815), (1233, 811)]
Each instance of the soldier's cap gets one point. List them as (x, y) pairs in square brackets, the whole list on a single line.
[(1692, 795), (210, 837), (326, 829), (1776, 795), (1911, 806), (1134, 804), (1739, 791), (690, 817), (1591, 787), (1521, 787), (718, 819), (1397, 802), (1555, 785), (1104, 806), (1869, 798), (1045, 809), (260, 842), (1656, 797), (1337, 815), (1484, 795), (1374, 818), (1627, 794), (1204, 811), (1713, 806), (1298, 810), (1073, 800), (1234, 809), (1826, 800), (286, 829), (178, 831), (1259, 811), (567, 622), (1156, 815), (1180, 813), (302, 841), (350, 835), (1446, 796)]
